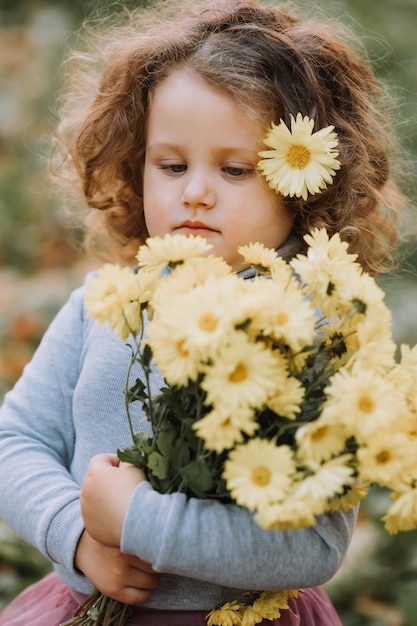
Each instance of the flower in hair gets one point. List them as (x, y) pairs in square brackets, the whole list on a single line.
[(300, 162)]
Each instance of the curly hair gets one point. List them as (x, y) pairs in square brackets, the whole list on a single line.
[(271, 62)]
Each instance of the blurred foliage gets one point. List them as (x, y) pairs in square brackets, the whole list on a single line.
[(39, 265), (20, 565), (376, 584)]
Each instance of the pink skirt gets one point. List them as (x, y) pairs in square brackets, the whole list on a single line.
[(49, 602)]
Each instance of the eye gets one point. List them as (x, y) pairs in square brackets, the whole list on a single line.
[(236, 172), (174, 168)]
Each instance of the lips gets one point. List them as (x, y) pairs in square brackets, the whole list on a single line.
[(195, 227)]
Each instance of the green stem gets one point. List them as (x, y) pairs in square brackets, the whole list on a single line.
[(126, 390), (99, 610), (136, 356)]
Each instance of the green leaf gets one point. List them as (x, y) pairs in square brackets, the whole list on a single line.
[(198, 478), (93, 613), (146, 356), (143, 442), (137, 392), (181, 454), (132, 456), (158, 465), (222, 491), (137, 454), (165, 440)]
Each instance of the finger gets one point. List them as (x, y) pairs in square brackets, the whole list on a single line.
[(137, 563), (128, 594), (132, 595), (130, 586), (142, 579), (105, 458), (133, 472)]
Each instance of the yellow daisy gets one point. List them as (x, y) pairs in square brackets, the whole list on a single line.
[(258, 255), (159, 252), (363, 403), (115, 296), (186, 276), (282, 273), (227, 615), (243, 375), (291, 514), (372, 346), (404, 377), (221, 429), (402, 515), (385, 459), (364, 301), (327, 270), (251, 616), (318, 441), (287, 400), (292, 321), (300, 162), (350, 497), (268, 606), (321, 245), (177, 364), (259, 473), (330, 277), (251, 299), (286, 316), (368, 291), (326, 480), (409, 357), (254, 614), (272, 600), (204, 317)]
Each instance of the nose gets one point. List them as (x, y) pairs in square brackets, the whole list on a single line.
[(198, 191)]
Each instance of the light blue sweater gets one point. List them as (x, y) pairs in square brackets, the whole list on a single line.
[(69, 406)]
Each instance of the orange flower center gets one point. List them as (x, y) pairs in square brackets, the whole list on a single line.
[(298, 156), (320, 433), (282, 318), (366, 404), (383, 457), (239, 374), (208, 322), (261, 476), (180, 348)]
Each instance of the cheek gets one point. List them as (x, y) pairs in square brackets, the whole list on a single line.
[(151, 221), (150, 203), (155, 218)]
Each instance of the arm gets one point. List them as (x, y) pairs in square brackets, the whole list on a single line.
[(38, 496), (51, 424), (204, 539), (178, 536), (120, 576)]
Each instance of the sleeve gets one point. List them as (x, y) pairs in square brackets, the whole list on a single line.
[(38, 497), (222, 544)]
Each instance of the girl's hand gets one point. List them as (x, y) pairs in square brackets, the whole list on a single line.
[(122, 577), (107, 488)]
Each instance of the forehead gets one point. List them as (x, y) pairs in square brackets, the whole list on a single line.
[(184, 103)]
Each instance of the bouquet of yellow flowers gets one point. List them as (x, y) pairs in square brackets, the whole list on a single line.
[(283, 393)]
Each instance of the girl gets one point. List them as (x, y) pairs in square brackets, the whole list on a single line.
[(166, 140)]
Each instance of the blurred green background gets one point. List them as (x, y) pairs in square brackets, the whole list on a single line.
[(40, 263)]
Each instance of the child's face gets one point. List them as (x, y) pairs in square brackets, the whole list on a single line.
[(200, 175)]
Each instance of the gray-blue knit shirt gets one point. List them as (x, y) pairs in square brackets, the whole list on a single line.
[(67, 407)]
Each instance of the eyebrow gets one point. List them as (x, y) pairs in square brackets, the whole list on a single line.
[(163, 145), (247, 154)]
